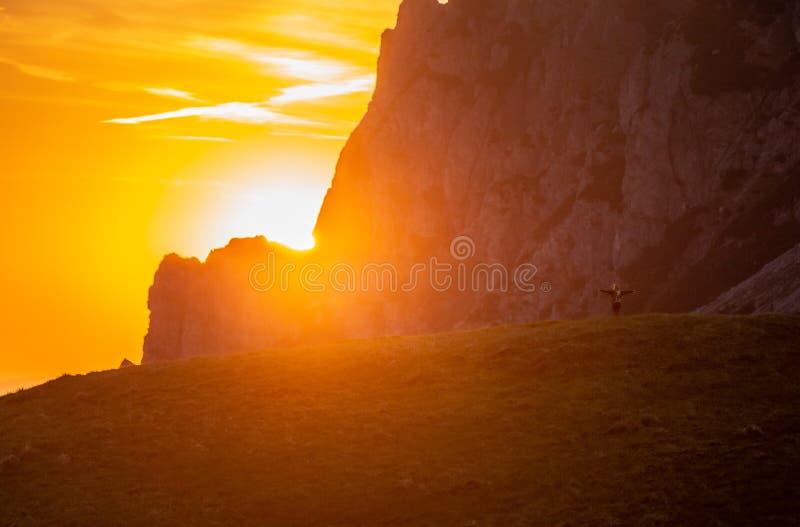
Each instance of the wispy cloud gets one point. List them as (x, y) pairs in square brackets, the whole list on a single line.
[(318, 29), (308, 68), (39, 71), (172, 93), (323, 137), (199, 138), (237, 112), (274, 56), (308, 92), (291, 63)]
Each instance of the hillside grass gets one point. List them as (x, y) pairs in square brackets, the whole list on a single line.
[(653, 420)]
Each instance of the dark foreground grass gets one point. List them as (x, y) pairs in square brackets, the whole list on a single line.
[(651, 420)]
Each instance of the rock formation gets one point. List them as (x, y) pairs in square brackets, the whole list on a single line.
[(774, 289), (649, 143)]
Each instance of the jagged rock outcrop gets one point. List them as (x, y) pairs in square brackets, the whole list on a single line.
[(653, 144), (774, 289), (213, 307)]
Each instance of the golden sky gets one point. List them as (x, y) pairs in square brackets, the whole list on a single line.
[(131, 129)]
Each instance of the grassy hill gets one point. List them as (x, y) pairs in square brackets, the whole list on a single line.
[(656, 420)]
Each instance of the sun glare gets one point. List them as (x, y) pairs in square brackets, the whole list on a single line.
[(130, 133), (285, 214), (244, 189)]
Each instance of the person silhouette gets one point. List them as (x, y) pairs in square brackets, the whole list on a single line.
[(616, 294)]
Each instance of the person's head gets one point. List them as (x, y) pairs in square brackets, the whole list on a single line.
[(615, 287)]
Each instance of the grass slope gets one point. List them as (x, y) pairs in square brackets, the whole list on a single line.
[(656, 420)]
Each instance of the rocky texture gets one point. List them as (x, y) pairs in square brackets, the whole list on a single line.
[(774, 289), (212, 307), (652, 144)]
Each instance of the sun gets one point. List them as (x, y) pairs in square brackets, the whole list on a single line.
[(284, 213), (273, 190), (202, 215)]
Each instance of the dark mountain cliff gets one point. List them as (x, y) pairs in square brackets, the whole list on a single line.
[(650, 143)]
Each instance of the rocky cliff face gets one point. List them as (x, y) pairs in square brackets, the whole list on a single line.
[(774, 289), (654, 144)]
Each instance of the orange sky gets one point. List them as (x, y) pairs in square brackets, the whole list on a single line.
[(135, 128)]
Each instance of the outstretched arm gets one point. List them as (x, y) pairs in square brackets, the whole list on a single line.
[(628, 292), (607, 291)]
